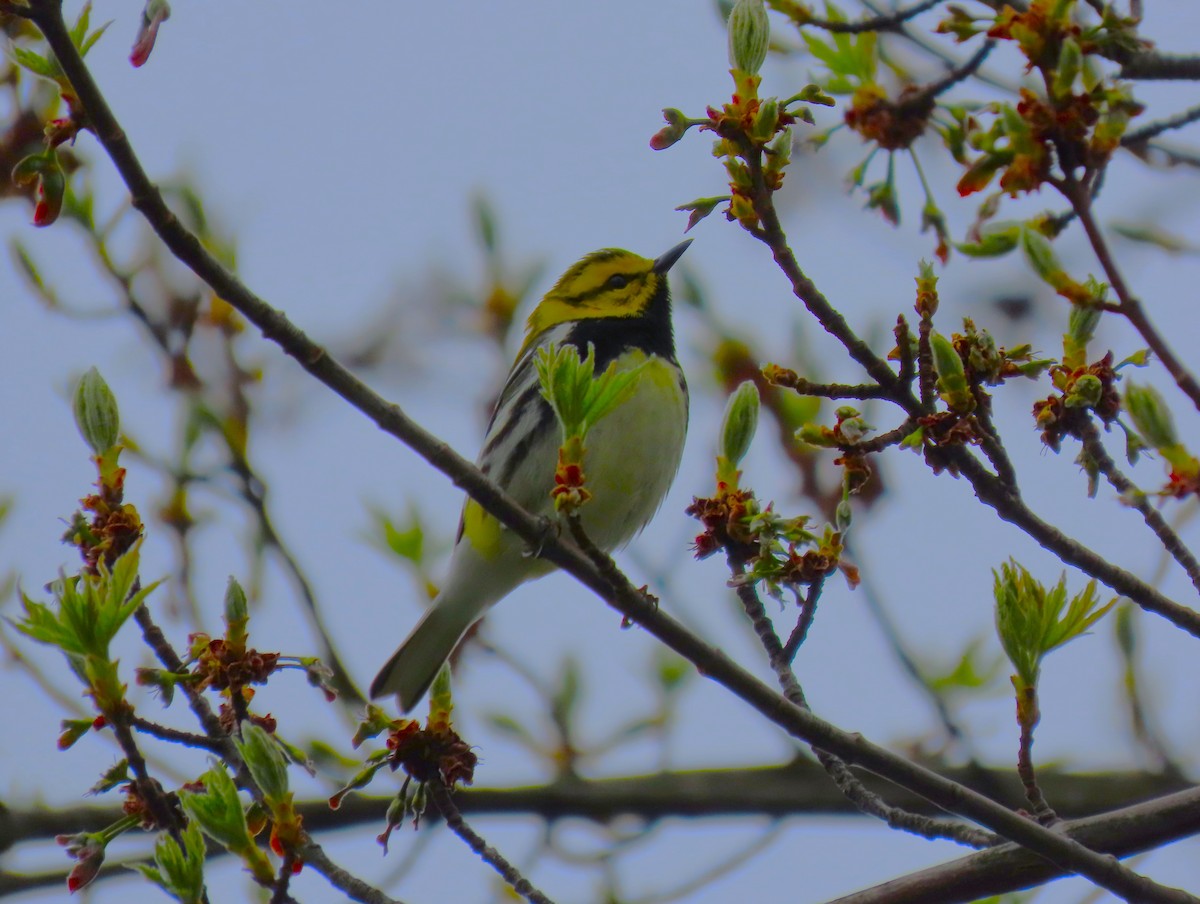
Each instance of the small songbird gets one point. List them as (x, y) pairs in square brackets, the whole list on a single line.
[(619, 304)]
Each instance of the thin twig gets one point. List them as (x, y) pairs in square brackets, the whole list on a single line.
[(959, 73), (867, 801), (1154, 129), (454, 821), (353, 887), (888, 22), (1131, 307), (175, 735), (1135, 498), (283, 879), (1149, 65), (808, 611), (1011, 508), (1041, 810)]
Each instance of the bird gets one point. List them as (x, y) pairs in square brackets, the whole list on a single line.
[(618, 305)]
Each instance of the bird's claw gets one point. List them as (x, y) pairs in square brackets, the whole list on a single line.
[(547, 528)]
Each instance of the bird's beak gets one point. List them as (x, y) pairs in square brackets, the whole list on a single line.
[(666, 261)]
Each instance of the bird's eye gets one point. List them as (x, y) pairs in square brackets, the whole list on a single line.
[(617, 281)]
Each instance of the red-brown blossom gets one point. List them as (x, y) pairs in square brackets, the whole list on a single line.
[(434, 752)]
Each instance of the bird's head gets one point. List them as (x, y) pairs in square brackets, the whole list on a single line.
[(606, 283)]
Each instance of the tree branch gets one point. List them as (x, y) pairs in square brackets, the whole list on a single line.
[(1009, 868)]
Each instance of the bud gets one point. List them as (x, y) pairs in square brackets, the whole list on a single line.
[(952, 376), (749, 34), (51, 190), (235, 602), (677, 125), (1081, 326), (740, 422), (1041, 257), (1070, 62), (927, 294), (765, 121), (1151, 416), (87, 848), (265, 761), (96, 413), (1085, 392)]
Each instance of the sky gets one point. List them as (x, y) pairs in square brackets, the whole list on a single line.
[(345, 155)]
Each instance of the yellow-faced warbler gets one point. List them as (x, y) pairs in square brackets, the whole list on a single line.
[(616, 306)]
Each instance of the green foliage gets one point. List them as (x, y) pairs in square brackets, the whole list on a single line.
[(1031, 620), (89, 609), (178, 871), (265, 760), (219, 813), (580, 398), (851, 59)]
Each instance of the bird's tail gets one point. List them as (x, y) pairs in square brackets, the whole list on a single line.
[(412, 668)]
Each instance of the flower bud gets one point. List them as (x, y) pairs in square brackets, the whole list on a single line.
[(51, 190), (740, 422), (749, 34), (87, 848), (96, 413), (1151, 416)]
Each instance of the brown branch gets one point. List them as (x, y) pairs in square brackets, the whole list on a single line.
[(1136, 499), (1010, 507), (856, 792), (444, 801), (808, 612), (1041, 810), (1130, 306), (957, 74), (353, 887), (797, 788), (1139, 137), (175, 735), (283, 880), (889, 22), (1149, 65), (1009, 868)]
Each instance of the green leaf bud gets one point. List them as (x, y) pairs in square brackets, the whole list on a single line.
[(749, 35), (1042, 259), (994, 241), (1151, 416), (179, 872), (1070, 61), (217, 809), (265, 761), (740, 422), (765, 121), (96, 413), (235, 602), (1085, 392), (952, 376)]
